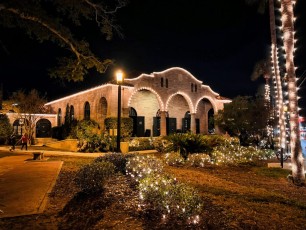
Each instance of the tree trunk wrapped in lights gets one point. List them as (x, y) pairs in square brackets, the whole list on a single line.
[(298, 174), (277, 77)]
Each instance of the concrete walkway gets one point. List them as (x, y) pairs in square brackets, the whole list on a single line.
[(25, 183)]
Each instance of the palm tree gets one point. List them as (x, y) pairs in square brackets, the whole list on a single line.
[(263, 69), (276, 76), (287, 14), (275, 68), (298, 175)]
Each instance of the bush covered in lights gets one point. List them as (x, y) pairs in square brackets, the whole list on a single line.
[(141, 143), (92, 177), (193, 160), (174, 159), (189, 143), (198, 160), (219, 140), (235, 154), (119, 160), (169, 198), (161, 144), (139, 167)]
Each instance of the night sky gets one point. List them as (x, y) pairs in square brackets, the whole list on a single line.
[(217, 41)]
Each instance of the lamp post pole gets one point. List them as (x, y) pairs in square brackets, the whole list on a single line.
[(119, 119), (119, 76)]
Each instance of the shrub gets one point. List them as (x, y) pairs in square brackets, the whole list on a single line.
[(186, 143), (119, 160), (169, 198), (139, 167), (198, 159), (235, 154), (92, 177), (141, 143), (213, 141), (161, 144), (174, 159), (126, 127), (89, 135), (5, 128)]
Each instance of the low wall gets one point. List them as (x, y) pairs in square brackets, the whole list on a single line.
[(67, 145), (43, 141)]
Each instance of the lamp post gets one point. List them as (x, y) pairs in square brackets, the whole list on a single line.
[(119, 76)]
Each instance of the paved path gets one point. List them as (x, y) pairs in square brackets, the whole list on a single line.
[(25, 184)]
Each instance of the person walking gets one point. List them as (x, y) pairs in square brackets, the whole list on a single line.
[(24, 141), (13, 141)]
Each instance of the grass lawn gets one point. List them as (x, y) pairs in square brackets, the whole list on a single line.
[(235, 197)]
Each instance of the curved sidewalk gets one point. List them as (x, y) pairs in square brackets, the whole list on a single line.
[(25, 183)]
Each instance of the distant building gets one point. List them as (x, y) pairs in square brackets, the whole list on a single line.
[(160, 103)]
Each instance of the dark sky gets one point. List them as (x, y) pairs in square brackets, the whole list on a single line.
[(217, 41)]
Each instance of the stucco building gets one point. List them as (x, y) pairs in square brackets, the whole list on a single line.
[(159, 103)]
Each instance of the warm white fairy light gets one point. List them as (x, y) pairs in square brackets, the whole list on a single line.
[(289, 42), (160, 101), (186, 97), (279, 94), (162, 191)]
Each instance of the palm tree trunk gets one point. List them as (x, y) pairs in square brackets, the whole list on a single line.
[(296, 149), (274, 57)]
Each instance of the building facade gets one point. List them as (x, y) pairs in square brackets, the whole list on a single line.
[(160, 103)]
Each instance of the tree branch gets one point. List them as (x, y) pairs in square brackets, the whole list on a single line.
[(48, 27), (100, 11)]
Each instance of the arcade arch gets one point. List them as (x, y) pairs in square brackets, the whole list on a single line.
[(144, 103), (205, 110), (177, 107)]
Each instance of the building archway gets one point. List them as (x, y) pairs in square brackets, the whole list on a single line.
[(18, 126), (87, 111), (102, 111), (144, 104), (177, 108), (43, 128), (204, 116)]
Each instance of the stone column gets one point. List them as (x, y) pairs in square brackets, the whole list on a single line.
[(163, 125), (192, 123)]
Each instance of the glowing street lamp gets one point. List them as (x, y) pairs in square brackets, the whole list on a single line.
[(119, 78)]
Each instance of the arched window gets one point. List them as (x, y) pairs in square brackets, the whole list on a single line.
[(18, 125), (67, 115), (103, 102), (43, 128), (191, 87), (87, 111), (166, 82), (71, 113), (59, 117)]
